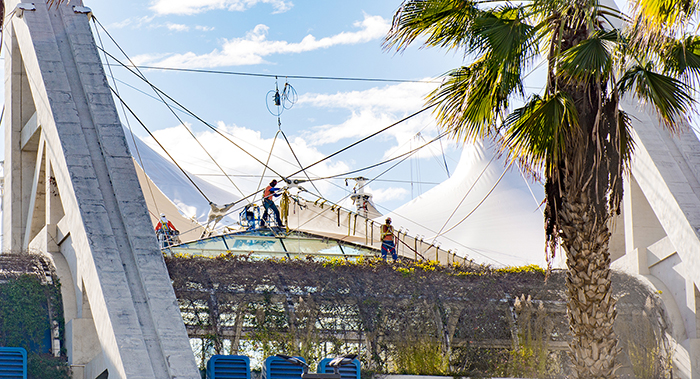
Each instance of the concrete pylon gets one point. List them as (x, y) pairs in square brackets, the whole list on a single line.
[(71, 191), (658, 235)]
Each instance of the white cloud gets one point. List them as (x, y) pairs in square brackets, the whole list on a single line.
[(177, 27), (147, 21), (401, 139), (402, 97), (147, 58), (377, 108), (410, 140), (254, 47), (133, 21), (190, 7), (372, 110), (382, 195), (359, 124), (235, 161), (184, 28)]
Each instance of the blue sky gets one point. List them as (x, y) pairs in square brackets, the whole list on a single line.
[(278, 37), (319, 38)]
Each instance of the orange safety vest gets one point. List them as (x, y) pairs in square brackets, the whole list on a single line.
[(165, 226), (268, 193), (387, 232)]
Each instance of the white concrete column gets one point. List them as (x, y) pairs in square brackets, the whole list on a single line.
[(73, 192)]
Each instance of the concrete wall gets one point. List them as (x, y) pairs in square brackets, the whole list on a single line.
[(661, 221), (71, 191)]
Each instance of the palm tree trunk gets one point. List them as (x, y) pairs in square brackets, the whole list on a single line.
[(582, 197), (591, 307)]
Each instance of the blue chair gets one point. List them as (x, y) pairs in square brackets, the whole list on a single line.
[(228, 367), (347, 371), (278, 368), (13, 363)]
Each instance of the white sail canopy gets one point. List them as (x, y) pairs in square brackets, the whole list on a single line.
[(175, 185), (483, 211), (497, 216)]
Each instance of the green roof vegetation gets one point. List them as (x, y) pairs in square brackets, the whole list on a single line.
[(407, 318), (27, 308)]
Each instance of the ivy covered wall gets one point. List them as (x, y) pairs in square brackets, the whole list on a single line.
[(30, 300), (410, 317)]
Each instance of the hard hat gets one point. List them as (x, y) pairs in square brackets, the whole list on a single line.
[(388, 219)]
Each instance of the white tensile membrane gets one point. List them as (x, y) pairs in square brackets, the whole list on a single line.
[(173, 182), (506, 225), (185, 202), (505, 229)]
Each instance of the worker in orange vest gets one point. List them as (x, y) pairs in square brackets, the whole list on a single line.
[(388, 240), (269, 204), (166, 232), (164, 224)]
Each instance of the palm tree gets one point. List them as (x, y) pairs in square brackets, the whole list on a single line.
[(573, 134)]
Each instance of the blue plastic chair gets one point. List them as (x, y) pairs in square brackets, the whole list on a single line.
[(13, 363), (228, 367), (278, 368), (347, 371)]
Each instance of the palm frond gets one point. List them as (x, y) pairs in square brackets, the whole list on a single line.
[(592, 58), (624, 132), (544, 8), (618, 148), (657, 20), (671, 98), (538, 131), (665, 13), (472, 97), (469, 101), (444, 23), (504, 33), (681, 58)]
